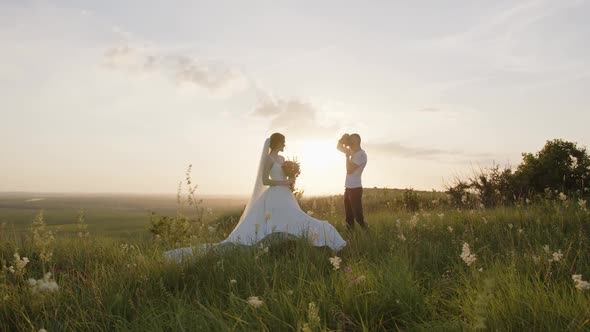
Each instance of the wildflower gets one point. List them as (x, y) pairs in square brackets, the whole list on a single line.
[(557, 256), (11, 269), (313, 314), (480, 269), (335, 261), (310, 212), (414, 220), (401, 237), (562, 197), (255, 302), (580, 284), (546, 248), (233, 282), (510, 226), (582, 204), (43, 239), (20, 263), (45, 285), (485, 221), (211, 229), (360, 278), (441, 215), (528, 201), (82, 226), (467, 256), (289, 292), (536, 259), (347, 269), (450, 228), (42, 330)]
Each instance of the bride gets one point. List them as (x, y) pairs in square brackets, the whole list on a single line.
[(272, 209)]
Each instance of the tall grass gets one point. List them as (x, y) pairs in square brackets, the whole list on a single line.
[(405, 274)]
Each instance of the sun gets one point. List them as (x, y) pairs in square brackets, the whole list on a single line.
[(322, 165)]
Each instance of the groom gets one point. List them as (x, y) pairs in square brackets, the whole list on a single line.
[(356, 160)]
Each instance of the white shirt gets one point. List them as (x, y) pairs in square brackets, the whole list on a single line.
[(353, 180)]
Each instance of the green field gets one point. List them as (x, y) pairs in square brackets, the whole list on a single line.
[(410, 272), (113, 215)]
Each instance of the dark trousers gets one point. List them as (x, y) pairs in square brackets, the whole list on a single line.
[(353, 205)]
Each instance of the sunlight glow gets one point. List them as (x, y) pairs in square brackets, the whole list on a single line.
[(322, 166)]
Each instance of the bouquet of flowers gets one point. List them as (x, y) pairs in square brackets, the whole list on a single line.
[(292, 169)]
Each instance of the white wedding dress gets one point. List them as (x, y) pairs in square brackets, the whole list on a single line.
[(271, 210)]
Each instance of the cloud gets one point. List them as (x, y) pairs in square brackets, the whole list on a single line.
[(399, 150), (209, 75), (294, 117)]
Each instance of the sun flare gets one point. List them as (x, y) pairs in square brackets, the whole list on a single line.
[(322, 166)]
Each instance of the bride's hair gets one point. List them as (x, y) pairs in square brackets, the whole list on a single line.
[(276, 139)]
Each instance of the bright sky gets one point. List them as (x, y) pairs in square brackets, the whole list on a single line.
[(120, 96)]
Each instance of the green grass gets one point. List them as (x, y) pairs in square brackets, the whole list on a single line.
[(386, 281)]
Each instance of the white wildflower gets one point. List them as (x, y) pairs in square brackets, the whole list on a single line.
[(450, 228), (520, 231), (467, 256), (45, 285), (480, 269), (556, 256), (42, 330), (233, 282), (402, 237), (211, 229), (335, 261), (310, 212), (441, 215), (255, 302), (582, 204), (20, 263), (546, 248), (510, 226), (289, 292), (562, 197), (11, 269), (580, 284), (361, 278)]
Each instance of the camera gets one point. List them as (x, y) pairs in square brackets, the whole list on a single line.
[(345, 139)]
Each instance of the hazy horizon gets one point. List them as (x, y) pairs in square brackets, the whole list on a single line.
[(122, 97)]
